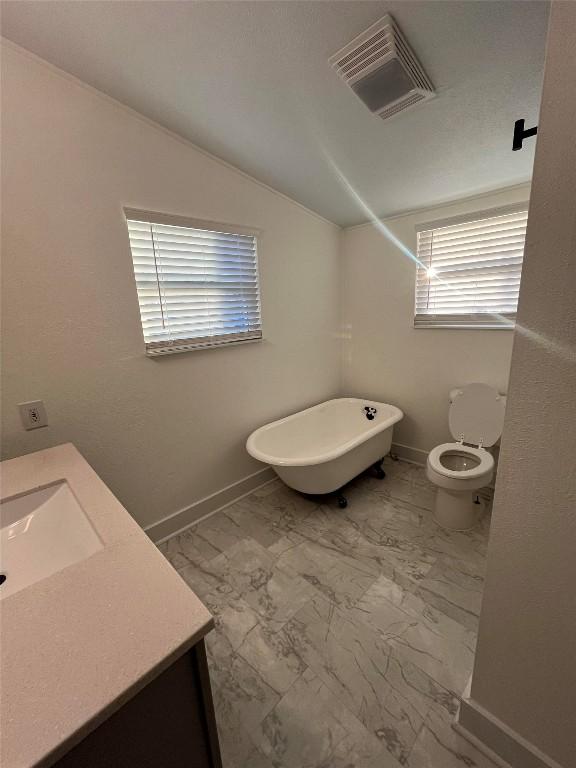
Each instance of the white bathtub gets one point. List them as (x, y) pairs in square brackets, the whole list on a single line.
[(320, 449)]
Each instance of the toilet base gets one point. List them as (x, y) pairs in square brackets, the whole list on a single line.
[(456, 510)]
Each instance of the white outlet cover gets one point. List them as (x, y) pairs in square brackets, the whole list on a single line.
[(33, 414)]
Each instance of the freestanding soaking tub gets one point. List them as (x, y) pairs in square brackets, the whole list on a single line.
[(322, 448)]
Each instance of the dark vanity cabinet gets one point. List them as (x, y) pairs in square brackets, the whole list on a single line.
[(170, 723)]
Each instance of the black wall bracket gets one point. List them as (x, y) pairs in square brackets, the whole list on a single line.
[(520, 133)]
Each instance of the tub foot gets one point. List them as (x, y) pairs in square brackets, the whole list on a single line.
[(342, 501), (378, 471)]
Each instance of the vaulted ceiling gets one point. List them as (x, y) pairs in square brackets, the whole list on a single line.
[(250, 82)]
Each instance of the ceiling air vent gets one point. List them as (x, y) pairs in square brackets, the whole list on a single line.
[(382, 70)]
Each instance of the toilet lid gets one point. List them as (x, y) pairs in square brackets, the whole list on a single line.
[(477, 415)]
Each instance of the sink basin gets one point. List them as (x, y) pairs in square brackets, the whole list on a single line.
[(42, 532)]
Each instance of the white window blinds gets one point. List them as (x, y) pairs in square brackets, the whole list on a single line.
[(469, 271), (197, 284)]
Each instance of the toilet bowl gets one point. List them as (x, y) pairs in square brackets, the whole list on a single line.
[(458, 469)]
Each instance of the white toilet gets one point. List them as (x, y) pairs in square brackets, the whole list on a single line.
[(476, 418)]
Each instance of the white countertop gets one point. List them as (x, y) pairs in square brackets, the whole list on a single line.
[(80, 643)]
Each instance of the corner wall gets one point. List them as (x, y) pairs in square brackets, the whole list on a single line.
[(384, 356), (523, 695), (165, 432)]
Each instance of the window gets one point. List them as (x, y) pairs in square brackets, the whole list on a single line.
[(197, 282), (469, 271)]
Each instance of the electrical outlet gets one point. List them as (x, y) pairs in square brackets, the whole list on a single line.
[(33, 414)]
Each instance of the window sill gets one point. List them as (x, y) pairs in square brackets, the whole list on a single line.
[(464, 326), (480, 321), (176, 349)]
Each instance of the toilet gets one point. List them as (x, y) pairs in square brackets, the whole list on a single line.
[(476, 418)]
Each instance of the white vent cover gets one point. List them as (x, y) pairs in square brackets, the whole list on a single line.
[(382, 70)]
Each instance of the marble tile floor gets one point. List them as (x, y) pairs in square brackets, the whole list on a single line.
[(343, 637)]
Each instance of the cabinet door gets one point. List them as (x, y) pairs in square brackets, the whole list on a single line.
[(168, 724)]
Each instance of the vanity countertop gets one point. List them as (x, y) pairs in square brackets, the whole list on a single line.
[(80, 643)]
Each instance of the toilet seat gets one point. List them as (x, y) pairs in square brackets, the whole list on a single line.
[(476, 417), (486, 461)]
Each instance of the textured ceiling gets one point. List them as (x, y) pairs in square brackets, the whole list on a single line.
[(250, 82)]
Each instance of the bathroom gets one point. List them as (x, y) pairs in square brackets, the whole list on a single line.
[(318, 633)]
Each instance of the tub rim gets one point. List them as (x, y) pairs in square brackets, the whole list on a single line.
[(341, 449)]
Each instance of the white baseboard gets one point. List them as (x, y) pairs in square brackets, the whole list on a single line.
[(480, 746), (407, 453), (183, 518), (178, 521), (497, 740)]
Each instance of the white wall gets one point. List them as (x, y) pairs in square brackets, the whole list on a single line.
[(385, 357), (161, 432), (525, 672)]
